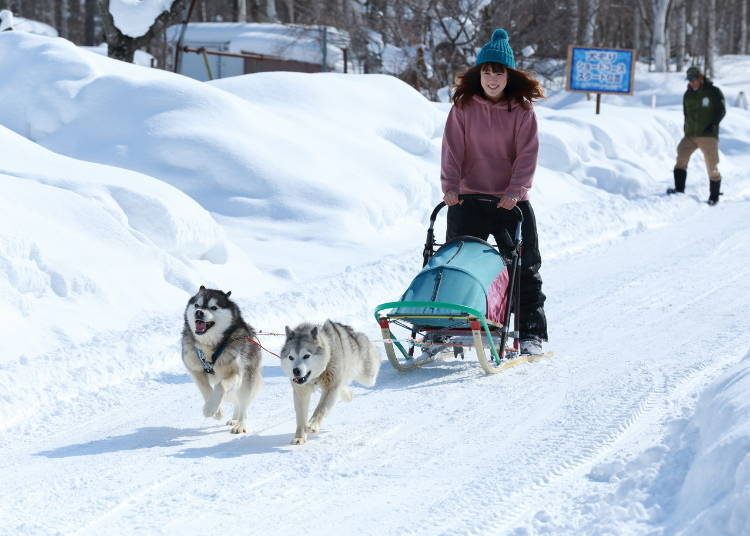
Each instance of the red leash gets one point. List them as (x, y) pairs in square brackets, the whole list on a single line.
[(250, 339)]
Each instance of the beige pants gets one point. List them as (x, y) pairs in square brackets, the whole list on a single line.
[(709, 147)]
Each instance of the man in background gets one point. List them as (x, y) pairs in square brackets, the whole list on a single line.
[(703, 107)]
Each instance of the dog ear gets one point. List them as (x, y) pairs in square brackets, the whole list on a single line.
[(202, 289), (228, 293), (288, 332), (314, 332)]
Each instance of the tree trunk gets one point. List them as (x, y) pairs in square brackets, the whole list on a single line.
[(636, 29), (681, 28), (743, 26), (727, 21), (74, 26), (711, 38), (667, 44), (573, 20), (61, 18), (240, 9), (694, 41), (658, 46), (271, 11), (592, 9), (290, 9), (122, 47), (90, 37)]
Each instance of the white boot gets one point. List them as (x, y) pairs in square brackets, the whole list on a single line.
[(531, 346)]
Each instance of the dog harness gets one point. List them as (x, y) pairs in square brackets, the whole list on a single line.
[(208, 367)]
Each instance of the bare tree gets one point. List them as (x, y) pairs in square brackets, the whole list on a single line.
[(455, 32), (271, 10), (694, 42), (636, 13), (711, 37), (123, 47), (89, 33), (591, 13), (658, 33), (743, 26), (574, 17), (241, 10), (62, 16), (680, 29), (75, 22)]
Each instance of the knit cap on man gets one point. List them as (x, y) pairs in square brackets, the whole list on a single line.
[(497, 50), (693, 73)]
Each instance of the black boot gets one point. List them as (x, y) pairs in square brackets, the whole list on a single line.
[(714, 187), (680, 176)]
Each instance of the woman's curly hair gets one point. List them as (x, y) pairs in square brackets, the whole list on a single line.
[(521, 86)]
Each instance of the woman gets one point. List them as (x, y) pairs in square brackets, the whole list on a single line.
[(490, 146)]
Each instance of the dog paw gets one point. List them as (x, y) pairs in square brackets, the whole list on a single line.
[(211, 410), (299, 441), (313, 427), (232, 422), (238, 427)]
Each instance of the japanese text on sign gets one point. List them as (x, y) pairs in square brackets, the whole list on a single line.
[(600, 70)]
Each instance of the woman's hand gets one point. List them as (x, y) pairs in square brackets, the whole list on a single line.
[(451, 198), (507, 202)]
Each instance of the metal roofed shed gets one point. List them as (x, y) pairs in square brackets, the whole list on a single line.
[(235, 48)]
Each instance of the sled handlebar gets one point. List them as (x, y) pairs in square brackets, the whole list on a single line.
[(482, 197), (430, 243)]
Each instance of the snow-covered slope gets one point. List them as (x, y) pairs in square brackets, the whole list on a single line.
[(307, 195)]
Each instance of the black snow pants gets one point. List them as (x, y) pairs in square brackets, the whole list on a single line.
[(480, 219)]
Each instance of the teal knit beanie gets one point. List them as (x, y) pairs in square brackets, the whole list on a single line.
[(497, 51)]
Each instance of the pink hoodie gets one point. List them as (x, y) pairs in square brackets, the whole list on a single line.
[(490, 150)]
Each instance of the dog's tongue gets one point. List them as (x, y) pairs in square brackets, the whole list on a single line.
[(200, 325)]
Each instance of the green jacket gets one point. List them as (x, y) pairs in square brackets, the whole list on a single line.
[(703, 109)]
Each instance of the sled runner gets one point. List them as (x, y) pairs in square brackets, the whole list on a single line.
[(463, 297)]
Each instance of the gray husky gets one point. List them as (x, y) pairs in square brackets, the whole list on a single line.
[(329, 358), (224, 364)]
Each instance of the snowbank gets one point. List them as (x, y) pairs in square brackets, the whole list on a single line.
[(140, 57), (256, 157), (713, 447), (21, 24), (85, 250), (696, 481)]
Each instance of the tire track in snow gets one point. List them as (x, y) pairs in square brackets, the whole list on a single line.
[(480, 501)]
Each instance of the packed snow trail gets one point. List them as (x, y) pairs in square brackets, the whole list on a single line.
[(442, 450)]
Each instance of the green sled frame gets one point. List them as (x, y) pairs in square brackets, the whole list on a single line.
[(473, 321)]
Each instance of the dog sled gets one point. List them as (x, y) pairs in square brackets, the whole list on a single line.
[(462, 298)]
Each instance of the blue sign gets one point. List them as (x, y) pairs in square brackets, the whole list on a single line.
[(600, 70)]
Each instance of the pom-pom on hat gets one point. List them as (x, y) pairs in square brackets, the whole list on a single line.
[(497, 50)]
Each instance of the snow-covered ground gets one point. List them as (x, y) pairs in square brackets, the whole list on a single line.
[(125, 188)]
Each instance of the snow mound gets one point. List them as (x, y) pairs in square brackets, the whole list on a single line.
[(715, 448), (236, 156)]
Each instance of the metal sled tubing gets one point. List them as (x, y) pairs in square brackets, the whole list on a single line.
[(429, 244), (514, 285), (411, 363), (509, 302)]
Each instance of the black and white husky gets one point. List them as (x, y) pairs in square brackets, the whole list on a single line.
[(329, 358), (217, 352)]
